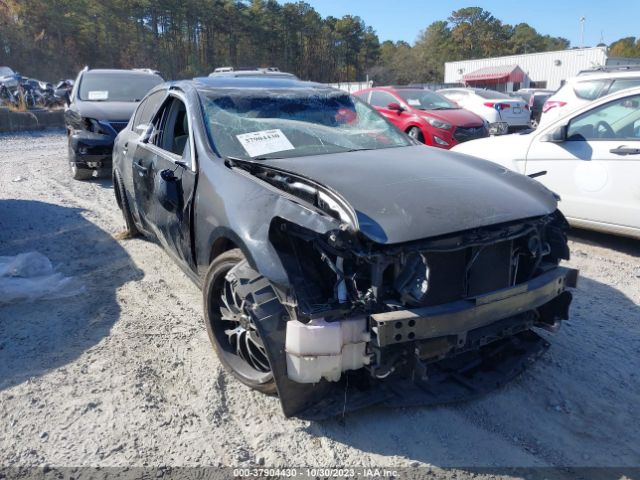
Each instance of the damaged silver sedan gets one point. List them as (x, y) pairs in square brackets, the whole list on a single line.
[(342, 265)]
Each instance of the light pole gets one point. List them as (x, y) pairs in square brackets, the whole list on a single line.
[(582, 21)]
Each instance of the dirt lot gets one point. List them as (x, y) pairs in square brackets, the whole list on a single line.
[(124, 374)]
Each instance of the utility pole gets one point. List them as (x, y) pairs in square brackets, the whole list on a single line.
[(582, 22)]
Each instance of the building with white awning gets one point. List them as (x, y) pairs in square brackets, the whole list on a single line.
[(534, 70)]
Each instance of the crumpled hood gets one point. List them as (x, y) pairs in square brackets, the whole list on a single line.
[(409, 193), (110, 111)]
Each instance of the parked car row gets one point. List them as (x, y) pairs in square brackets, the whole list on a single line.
[(425, 115), (591, 168), (363, 241)]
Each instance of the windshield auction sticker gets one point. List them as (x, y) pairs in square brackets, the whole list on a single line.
[(264, 142), (98, 95)]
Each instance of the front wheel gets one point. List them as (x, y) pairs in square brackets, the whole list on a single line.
[(416, 134), (235, 297)]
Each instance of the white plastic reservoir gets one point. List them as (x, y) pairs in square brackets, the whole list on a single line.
[(321, 349)]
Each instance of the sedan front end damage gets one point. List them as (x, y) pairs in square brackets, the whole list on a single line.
[(438, 314), (342, 264)]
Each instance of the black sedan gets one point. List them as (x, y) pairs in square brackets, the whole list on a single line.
[(330, 247)]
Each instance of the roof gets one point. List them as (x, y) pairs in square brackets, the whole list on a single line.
[(403, 87), (611, 68), (260, 72), (256, 82), (518, 56), (495, 74), (122, 70)]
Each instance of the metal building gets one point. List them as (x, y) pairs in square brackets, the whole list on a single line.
[(541, 70)]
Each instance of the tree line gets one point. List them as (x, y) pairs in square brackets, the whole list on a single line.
[(53, 39)]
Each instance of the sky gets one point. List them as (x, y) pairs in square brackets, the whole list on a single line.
[(606, 20)]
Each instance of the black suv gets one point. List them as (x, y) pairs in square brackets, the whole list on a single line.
[(99, 106)]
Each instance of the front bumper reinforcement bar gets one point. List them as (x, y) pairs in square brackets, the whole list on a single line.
[(457, 318)]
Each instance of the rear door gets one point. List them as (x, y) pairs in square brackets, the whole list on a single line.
[(167, 177), (596, 170)]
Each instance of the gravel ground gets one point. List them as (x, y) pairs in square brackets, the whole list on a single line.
[(124, 375)]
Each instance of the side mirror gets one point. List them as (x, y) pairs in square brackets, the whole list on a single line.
[(396, 107), (558, 135)]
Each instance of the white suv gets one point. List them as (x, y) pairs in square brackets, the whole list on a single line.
[(586, 87)]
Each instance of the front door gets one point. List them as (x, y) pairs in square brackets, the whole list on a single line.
[(596, 170), (166, 180), (381, 100)]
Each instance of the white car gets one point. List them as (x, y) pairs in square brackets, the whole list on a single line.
[(591, 158), (501, 111), (585, 88)]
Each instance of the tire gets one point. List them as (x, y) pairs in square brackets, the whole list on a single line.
[(77, 173), (416, 134), (123, 203), (241, 296), (80, 173)]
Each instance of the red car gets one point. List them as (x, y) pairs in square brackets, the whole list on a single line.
[(425, 115)]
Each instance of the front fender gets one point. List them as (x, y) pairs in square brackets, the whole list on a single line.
[(234, 205)]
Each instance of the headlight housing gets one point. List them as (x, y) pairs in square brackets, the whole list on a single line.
[(434, 122), (93, 125)]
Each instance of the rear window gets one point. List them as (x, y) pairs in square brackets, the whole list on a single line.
[(624, 83), (526, 96), (491, 94), (590, 90), (116, 87)]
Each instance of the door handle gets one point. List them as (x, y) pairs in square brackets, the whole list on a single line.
[(622, 150), (142, 170)]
